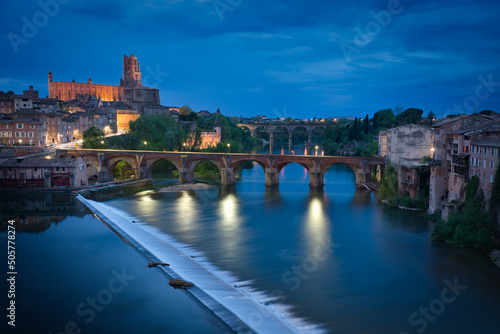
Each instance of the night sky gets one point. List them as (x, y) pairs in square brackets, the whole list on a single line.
[(276, 58)]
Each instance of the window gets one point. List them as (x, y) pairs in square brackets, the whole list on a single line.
[(30, 134), (492, 165), (491, 178), (19, 126), (81, 167), (484, 163), (32, 126)]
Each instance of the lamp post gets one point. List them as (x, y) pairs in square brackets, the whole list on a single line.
[(432, 152), (184, 144), (228, 147), (316, 149), (146, 144)]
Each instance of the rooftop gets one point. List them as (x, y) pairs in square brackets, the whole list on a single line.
[(39, 162)]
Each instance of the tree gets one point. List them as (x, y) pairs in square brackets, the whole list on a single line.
[(92, 133), (389, 188), (384, 119), (470, 224), (409, 116), (495, 195), (185, 110), (92, 138), (367, 124), (160, 131)]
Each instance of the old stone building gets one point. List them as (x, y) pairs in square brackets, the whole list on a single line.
[(43, 173), (484, 155), (409, 142), (212, 138), (405, 147), (450, 172)]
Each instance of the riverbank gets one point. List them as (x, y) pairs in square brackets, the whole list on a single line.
[(185, 187), (116, 189)]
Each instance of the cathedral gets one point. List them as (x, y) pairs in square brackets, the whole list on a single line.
[(131, 91)]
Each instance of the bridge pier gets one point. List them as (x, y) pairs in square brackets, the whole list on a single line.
[(272, 177), (309, 142), (271, 141), (102, 176), (184, 177), (228, 178), (316, 181)]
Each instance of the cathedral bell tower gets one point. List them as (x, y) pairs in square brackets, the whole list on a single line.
[(131, 72)]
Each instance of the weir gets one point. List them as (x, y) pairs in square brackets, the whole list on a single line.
[(237, 309)]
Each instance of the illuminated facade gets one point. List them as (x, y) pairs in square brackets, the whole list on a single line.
[(65, 90), (209, 139)]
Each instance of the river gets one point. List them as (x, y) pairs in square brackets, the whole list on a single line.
[(333, 262)]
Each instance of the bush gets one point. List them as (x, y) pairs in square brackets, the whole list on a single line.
[(470, 224)]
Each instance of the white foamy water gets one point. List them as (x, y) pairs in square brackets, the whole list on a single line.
[(254, 308)]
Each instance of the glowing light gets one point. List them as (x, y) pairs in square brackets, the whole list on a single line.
[(317, 226), (102, 141), (186, 211), (229, 211)]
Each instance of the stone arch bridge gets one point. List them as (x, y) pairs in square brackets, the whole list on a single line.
[(310, 128), (104, 161)]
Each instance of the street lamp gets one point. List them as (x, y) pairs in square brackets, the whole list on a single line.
[(184, 144), (317, 149), (146, 144), (228, 147)]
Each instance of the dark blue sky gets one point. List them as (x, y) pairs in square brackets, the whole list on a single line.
[(276, 58)]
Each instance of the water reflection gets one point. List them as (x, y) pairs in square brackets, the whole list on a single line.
[(229, 212), (36, 212), (362, 198), (186, 210), (317, 223)]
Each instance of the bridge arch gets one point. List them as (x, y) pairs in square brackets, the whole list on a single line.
[(193, 162), (149, 164), (112, 162)]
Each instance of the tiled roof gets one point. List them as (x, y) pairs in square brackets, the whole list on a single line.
[(39, 162), (7, 154), (495, 142)]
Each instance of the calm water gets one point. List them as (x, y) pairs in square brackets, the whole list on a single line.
[(73, 269), (335, 259)]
